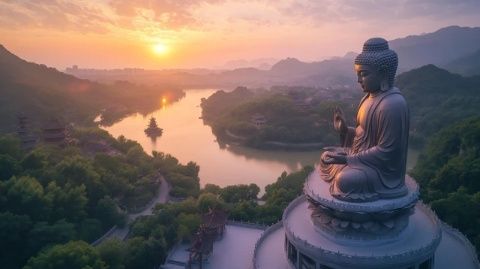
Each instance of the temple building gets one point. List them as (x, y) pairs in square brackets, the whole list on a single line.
[(258, 120), (211, 229), (54, 132), (24, 132), (153, 130)]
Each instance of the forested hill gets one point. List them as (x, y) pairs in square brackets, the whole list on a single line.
[(437, 98), (41, 92), (448, 171), (17, 70)]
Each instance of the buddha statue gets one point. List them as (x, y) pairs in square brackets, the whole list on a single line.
[(371, 163)]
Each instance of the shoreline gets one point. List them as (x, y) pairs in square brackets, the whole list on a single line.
[(274, 145)]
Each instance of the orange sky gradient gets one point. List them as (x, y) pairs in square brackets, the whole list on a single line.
[(118, 34)]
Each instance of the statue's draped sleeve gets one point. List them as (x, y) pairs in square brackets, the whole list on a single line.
[(387, 133), (346, 139)]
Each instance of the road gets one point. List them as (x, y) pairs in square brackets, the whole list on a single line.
[(161, 198)]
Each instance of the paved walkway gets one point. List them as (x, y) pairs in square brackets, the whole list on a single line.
[(161, 198)]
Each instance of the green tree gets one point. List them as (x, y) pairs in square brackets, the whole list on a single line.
[(138, 254), (68, 202), (77, 171), (187, 225), (113, 253), (90, 229), (73, 255), (14, 230), (208, 201), (212, 188), (25, 195), (108, 212), (43, 234), (10, 145), (8, 167), (238, 193)]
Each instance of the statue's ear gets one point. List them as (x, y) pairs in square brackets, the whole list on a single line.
[(384, 85), (383, 71)]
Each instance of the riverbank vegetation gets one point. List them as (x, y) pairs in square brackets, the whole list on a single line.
[(296, 115), (52, 195), (282, 117)]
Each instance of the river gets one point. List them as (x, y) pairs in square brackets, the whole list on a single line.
[(188, 139)]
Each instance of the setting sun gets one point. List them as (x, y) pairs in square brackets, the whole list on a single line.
[(160, 49)]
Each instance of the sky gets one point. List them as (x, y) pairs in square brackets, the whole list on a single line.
[(158, 34)]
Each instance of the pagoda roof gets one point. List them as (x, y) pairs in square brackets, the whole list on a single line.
[(53, 124), (214, 218)]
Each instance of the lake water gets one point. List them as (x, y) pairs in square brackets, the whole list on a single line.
[(188, 139)]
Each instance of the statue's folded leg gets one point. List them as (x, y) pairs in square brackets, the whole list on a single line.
[(353, 184), (329, 171)]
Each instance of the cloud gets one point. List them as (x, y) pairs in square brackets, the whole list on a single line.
[(205, 15), (378, 10), (165, 14), (53, 14)]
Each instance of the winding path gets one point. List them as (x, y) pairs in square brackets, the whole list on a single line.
[(161, 198)]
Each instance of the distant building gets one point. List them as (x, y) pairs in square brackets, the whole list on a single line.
[(258, 120), (24, 132), (53, 132)]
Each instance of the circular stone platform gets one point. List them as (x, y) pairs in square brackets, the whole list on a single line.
[(318, 191), (415, 244), (454, 251)]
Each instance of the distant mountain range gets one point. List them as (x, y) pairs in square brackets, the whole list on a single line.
[(454, 48), (438, 48)]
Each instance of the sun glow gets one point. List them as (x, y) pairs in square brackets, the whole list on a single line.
[(160, 49)]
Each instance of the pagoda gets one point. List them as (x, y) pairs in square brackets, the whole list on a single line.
[(211, 229), (153, 130), (27, 139), (54, 132)]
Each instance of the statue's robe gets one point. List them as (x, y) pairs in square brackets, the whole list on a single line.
[(376, 160)]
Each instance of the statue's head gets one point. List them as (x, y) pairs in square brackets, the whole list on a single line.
[(376, 65)]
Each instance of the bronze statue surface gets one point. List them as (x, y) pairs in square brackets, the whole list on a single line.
[(371, 163)]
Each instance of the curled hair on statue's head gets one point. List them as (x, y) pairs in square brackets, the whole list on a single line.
[(377, 53)]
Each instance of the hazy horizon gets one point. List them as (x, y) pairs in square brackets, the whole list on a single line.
[(209, 33)]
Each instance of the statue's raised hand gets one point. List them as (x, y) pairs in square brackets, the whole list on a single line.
[(339, 121)]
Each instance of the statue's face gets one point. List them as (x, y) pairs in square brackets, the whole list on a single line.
[(369, 77)]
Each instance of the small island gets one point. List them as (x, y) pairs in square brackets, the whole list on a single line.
[(153, 130)]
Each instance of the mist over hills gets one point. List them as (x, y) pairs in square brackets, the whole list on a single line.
[(468, 65), (42, 93), (46, 92), (452, 48)]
